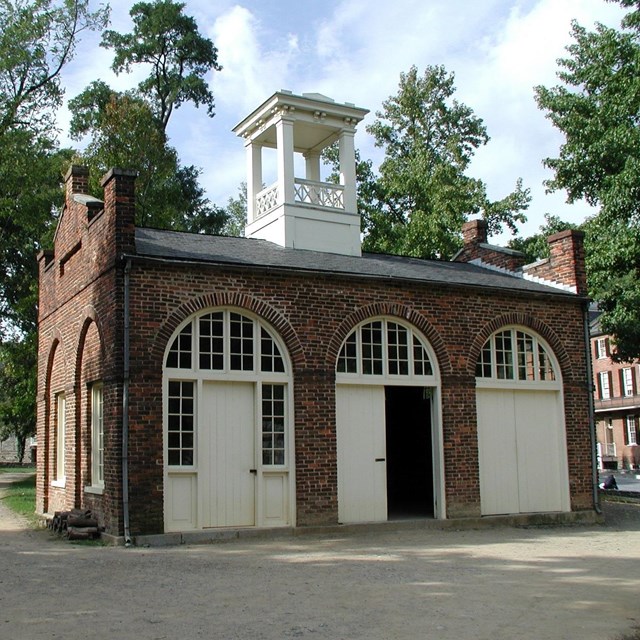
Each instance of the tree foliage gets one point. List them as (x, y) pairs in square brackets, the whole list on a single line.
[(236, 214), (18, 389), (123, 132), (169, 41), (37, 39), (128, 129), (536, 246), (597, 108), (423, 194)]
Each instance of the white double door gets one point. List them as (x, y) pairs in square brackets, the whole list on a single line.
[(522, 451)]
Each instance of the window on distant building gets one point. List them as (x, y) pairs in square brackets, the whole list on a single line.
[(627, 382), (632, 430), (602, 350), (605, 385)]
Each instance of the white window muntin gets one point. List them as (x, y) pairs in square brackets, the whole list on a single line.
[(630, 424), (514, 357), (369, 355), (605, 386), (601, 348), (273, 419), (61, 427), (627, 382), (97, 435), (191, 328)]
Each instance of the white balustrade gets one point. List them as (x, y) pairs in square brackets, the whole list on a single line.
[(320, 194), (266, 200)]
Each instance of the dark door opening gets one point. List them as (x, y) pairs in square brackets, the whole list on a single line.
[(409, 452)]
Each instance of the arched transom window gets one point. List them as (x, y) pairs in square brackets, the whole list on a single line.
[(515, 354), (225, 341), (384, 348)]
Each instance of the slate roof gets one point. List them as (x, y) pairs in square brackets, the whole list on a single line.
[(178, 246)]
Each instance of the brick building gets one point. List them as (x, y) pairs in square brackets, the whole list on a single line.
[(617, 404), (191, 382)]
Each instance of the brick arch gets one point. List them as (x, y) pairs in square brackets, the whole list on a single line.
[(525, 320), (242, 302), (389, 309), (56, 344), (90, 317)]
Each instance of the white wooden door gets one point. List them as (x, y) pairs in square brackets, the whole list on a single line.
[(542, 475), (521, 451), (226, 459), (362, 469), (497, 449)]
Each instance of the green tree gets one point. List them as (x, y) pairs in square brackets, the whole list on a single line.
[(423, 190), (18, 389), (123, 132), (31, 171), (236, 214), (128, 129), (536, 247), (169, 41), (597, 108), (37, 39)]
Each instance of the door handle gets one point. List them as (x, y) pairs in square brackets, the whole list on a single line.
[(254, 471), (380, 460)]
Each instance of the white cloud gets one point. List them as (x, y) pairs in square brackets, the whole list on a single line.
[(254, 66)]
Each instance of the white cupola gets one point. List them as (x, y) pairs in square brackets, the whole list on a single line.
[(302, 213)]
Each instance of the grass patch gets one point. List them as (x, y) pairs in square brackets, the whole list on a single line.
[(17, 469), (20, 497)]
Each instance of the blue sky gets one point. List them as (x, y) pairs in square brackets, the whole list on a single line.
[(354, 51)]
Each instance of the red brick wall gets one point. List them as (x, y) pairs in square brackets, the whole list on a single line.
[(80, 341), (314, 314)]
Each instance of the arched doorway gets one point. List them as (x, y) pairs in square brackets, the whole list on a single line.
[(522, 448), (388, 424), (228, 437)]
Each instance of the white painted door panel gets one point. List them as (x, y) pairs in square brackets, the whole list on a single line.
[(227, 455), (539, 462), (362, 469), (497, 452)]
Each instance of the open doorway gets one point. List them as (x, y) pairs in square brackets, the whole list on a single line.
[(409, 452)]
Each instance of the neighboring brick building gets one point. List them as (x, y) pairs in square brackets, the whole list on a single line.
[(190, 382), (617, 404)]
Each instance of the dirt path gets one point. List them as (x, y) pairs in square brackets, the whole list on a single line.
[(531, 584), (10, 521)]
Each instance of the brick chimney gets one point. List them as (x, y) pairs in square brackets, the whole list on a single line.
[(476, 249), (76, 180), (120, 206), (474, 232), (566, 265)]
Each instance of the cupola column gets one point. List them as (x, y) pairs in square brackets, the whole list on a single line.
[(312, 165), (254, 177), (284, 135), (348, 169)]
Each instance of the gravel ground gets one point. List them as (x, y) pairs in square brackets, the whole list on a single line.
[(535, 583)]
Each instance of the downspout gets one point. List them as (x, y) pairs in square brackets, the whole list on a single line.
[(592, 421), (125, 411)]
